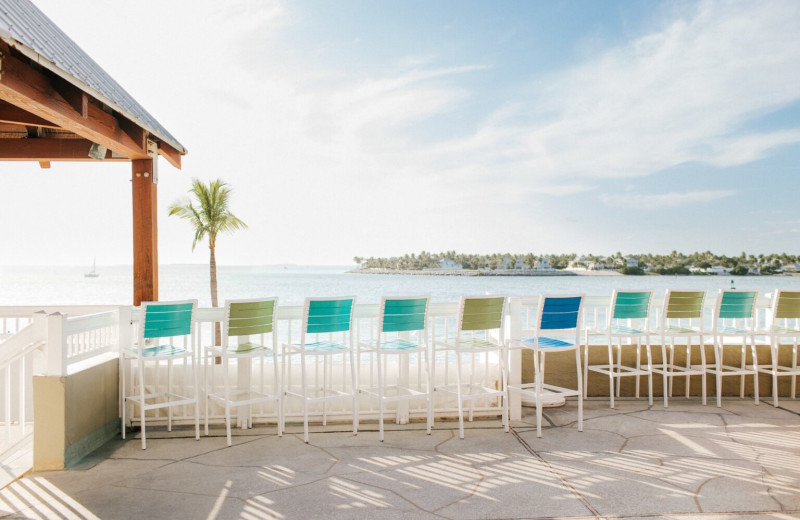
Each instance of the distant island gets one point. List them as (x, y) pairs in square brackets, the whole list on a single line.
[(451, 263)]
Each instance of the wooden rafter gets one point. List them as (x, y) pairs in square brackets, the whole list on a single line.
[(169, 153), (64, 106), (15, 115)]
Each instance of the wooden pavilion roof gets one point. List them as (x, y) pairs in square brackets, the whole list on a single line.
[(56, 102)]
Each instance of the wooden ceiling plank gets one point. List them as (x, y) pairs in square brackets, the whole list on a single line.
[(33, 91)]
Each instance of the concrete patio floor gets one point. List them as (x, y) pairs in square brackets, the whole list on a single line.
[(688, 461)]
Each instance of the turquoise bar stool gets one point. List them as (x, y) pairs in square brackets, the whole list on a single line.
[(402, 331), (326, 334), (734, 327), (166, 335), (627, 327)]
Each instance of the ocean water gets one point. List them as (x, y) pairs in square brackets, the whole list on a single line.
[(66, 285)]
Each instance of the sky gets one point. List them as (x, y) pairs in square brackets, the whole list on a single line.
[(377, 128)]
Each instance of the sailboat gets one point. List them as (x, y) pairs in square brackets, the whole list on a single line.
[(93, 272)]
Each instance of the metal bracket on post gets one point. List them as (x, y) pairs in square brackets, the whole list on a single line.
[(152, 151)]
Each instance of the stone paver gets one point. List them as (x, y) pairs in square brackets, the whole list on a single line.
[(684, 462)]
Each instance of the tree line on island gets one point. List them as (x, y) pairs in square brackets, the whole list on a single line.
[(672, 263)]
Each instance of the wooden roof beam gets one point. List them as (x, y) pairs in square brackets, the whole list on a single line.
[(134, 131), (45, 150), (42, 96), (17, 116), (169, 153)]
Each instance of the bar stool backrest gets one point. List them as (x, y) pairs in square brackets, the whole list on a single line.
[(787, 304), (166, 319), (684, 304), (733, 304), (404, 314), (328, 315), (560, 312), (631, 305), (478, 313), (251, 317)]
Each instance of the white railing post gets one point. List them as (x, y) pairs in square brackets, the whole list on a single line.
[(124, 335), (56, 345), (514, 330), (124, 326), (39, 326)]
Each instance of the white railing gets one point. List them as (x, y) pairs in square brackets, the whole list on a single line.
[(20, 356), (38, 343), (81, 339)]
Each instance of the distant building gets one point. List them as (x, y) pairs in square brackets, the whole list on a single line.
[(449, 263), (599, 266), (631, 262), (543, 264), (505, 263), (791, 268), (520, 264), (578, 263), (718, 269)]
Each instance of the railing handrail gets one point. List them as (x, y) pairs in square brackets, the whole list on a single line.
[(20, 344), (74, 320), (88, 322), (25, 311)]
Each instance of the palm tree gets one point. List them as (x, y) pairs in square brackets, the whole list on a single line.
[(209, 214)]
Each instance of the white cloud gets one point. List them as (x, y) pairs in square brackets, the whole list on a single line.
[(663, 200), (332, 159), (683, 93)]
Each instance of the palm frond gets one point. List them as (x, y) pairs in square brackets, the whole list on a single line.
[(208, 212)]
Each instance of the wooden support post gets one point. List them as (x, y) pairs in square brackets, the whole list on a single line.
[(145, 232)]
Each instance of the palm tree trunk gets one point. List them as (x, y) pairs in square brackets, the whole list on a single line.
[(214, 300)]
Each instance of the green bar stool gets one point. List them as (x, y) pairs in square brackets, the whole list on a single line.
[(479, 331), (249, 334)]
